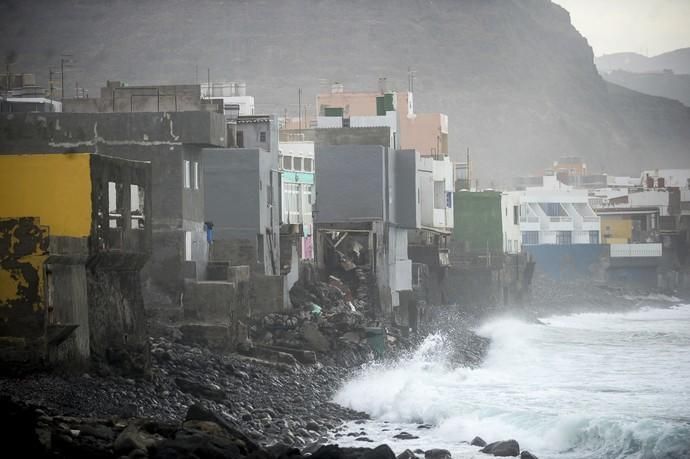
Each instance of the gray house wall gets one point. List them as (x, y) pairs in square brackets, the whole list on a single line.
[(251, 128), (340, 136), (164, 139), (117, 97), (351, 183), (238, 183), (407, 197)]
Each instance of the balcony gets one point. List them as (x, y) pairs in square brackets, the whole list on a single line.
[(636, 250)]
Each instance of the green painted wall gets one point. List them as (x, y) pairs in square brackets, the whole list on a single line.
[(478, 220)]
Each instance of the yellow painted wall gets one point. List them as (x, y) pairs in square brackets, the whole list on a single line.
[(54, 187), (22, 280), (616, 229)]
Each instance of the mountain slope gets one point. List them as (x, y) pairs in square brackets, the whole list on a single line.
[(516, 79), (666, 84), (677, 60)]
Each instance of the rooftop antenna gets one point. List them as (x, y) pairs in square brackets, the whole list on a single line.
[(64, 59), (299, 108), (410, 79)]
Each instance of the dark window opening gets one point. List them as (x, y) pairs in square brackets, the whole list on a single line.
[(240, 139)]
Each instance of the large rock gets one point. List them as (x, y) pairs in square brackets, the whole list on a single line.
[(437, 453), (198, 412), (336, 452), (132, 438), (203, 390), (478, 441), (407, 454), (314, 338), (504, 448), (527, 455)]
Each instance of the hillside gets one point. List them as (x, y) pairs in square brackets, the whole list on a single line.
[(516, 79), (678, 61), (664, 84)]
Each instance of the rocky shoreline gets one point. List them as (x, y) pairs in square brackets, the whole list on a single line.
[(200, 402), (270, 402)]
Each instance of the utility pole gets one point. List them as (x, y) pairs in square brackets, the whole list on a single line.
[(208, 77), (299, 108), (469, 183), (65, 59), (62, 79)]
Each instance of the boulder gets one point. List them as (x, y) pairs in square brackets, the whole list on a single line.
[(132, 438), (437, 454), (407, 454), (405, 436), (198, 412), (505, 448), (527, 455), (380, 452), (478, 441), (314, 338), (202, 390)]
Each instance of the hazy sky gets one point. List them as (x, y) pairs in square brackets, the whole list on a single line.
[(643, 26)]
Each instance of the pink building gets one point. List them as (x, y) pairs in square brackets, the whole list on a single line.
[(425, 132)]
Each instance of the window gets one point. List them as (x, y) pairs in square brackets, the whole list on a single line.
[(439, 194), (287, 163), (187, 172), (552, 209), (516, 215), (308, 165), (269, 190), (195, 175), (240, 139), (297, 163), (114, 205), (292, 203), (136, 208), (530, 237), (594, 237), (564, 237), (308, 195), (188, 246), (262, 136)]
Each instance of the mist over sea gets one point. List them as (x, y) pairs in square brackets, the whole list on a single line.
[(593, 385)]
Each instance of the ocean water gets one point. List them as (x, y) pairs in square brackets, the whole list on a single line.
[(580, 386)]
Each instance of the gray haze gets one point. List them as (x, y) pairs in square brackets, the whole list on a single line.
[(515, 77), (644, 26)]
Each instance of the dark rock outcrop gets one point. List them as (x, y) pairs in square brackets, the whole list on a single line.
[(505, 448), (437, 453), (478, 441)]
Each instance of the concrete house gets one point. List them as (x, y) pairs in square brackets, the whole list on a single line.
[(242, 202), (361, 223), (75, 231), (172, 142)]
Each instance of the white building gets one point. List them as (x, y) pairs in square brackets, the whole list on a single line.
[(553, 214), (297, 194), (510, 218), (663, 178), (234, 97), (436, 193)]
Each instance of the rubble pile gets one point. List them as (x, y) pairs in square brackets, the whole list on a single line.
[(326, 318), (270, 403)]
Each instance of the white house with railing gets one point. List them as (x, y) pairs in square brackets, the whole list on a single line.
[(555, 213)]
